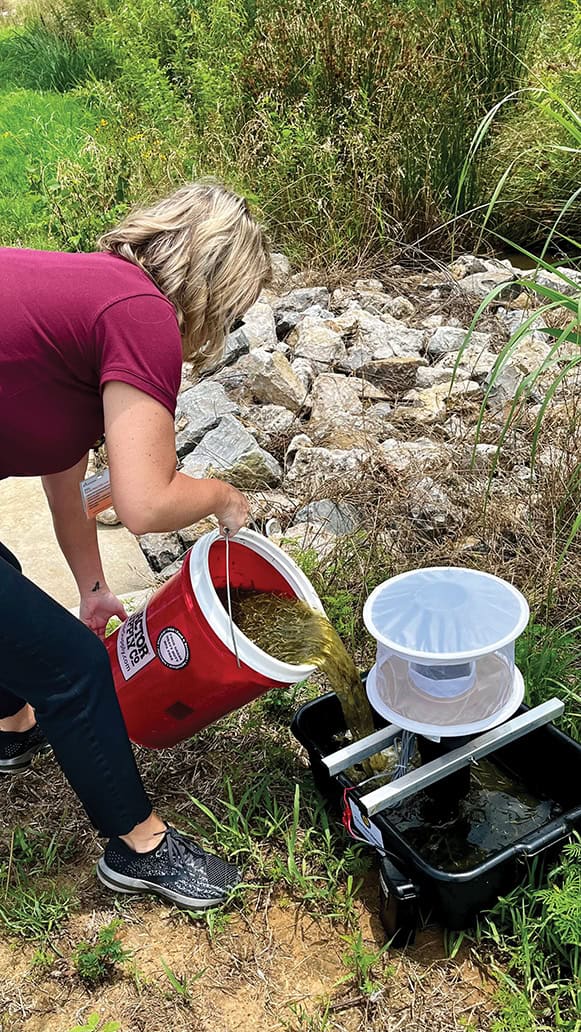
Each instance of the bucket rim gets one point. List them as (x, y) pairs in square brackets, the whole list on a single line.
[(216, 616)]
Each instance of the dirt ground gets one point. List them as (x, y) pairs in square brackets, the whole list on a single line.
[(273, 969), (269, 963)]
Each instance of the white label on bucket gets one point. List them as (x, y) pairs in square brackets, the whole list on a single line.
[(367, 828), (173, 649), (134, 649)]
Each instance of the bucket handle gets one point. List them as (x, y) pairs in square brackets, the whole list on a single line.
[(540, 841), (228, 596)]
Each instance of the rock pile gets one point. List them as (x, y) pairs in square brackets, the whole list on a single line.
[(317, 388)]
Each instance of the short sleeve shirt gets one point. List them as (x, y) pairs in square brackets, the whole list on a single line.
[(69, 324)]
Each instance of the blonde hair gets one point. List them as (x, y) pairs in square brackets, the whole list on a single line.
[(204, 250)]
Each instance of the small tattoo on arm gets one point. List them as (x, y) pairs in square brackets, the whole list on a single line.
[(97, 586)]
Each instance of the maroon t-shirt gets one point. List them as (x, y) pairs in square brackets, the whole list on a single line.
[(69, 323)]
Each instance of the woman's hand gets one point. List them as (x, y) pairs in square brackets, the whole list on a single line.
[(98, 606), (234, 512)]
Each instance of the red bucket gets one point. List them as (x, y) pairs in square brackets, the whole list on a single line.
[(174, 663)]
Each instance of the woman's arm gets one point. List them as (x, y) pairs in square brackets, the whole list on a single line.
[(77, 537), (149, 495)]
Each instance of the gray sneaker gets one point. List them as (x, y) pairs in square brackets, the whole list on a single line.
[(178, 870), (18, 749)]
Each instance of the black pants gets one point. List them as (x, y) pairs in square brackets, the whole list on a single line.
[(51, 660)]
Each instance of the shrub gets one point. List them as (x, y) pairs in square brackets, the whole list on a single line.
[(346, 123)]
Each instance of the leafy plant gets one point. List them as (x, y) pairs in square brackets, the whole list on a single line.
[(304, 1020), (361, 961), (96, 961), (535, 933), (93, 1024), (554, 292)]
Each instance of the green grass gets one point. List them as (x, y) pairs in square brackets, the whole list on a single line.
[(37, 131), (285, 838), (550, 660), (347, 124)]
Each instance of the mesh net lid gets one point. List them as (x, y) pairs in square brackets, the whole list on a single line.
[(445, 613), (489, 697)]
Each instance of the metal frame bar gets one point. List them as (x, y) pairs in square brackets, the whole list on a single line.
[(429, 773), (369, 746)]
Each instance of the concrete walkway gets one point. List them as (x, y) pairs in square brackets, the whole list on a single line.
[(26, 529)]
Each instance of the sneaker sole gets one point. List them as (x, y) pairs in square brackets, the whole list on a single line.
[(22, 762), (123, 883)]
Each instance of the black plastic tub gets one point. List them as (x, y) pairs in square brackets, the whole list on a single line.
[(545, 760)]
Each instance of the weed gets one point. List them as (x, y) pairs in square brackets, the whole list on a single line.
[(97, 961), (308, 1021), (346, 124), (42, 962), (35, 852), (516, 1014), (360, 961), (182, 986), (550, 661), (217, 922), (37, 132), (93, 1024)]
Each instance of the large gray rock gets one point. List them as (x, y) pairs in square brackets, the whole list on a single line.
[(314, 468), (474, 363), (270, 419), (431, 508), (289, 307), (480, 284), (305, 371), (369, 337), (376, 302), (513, 319), (264, 376), (332, 398), (281, 271), (231, 453), (160, 549), (235, 346), (451, 338), (526, 358), (400, 307), (429, 406), (298, 441), (259, 326), (559, 283), (289, 320), (238, 379), (316, 341), (274, 381), (429, 376), (466, 265), (201, 407), (189, 535), (339, 518), (422, 454)]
